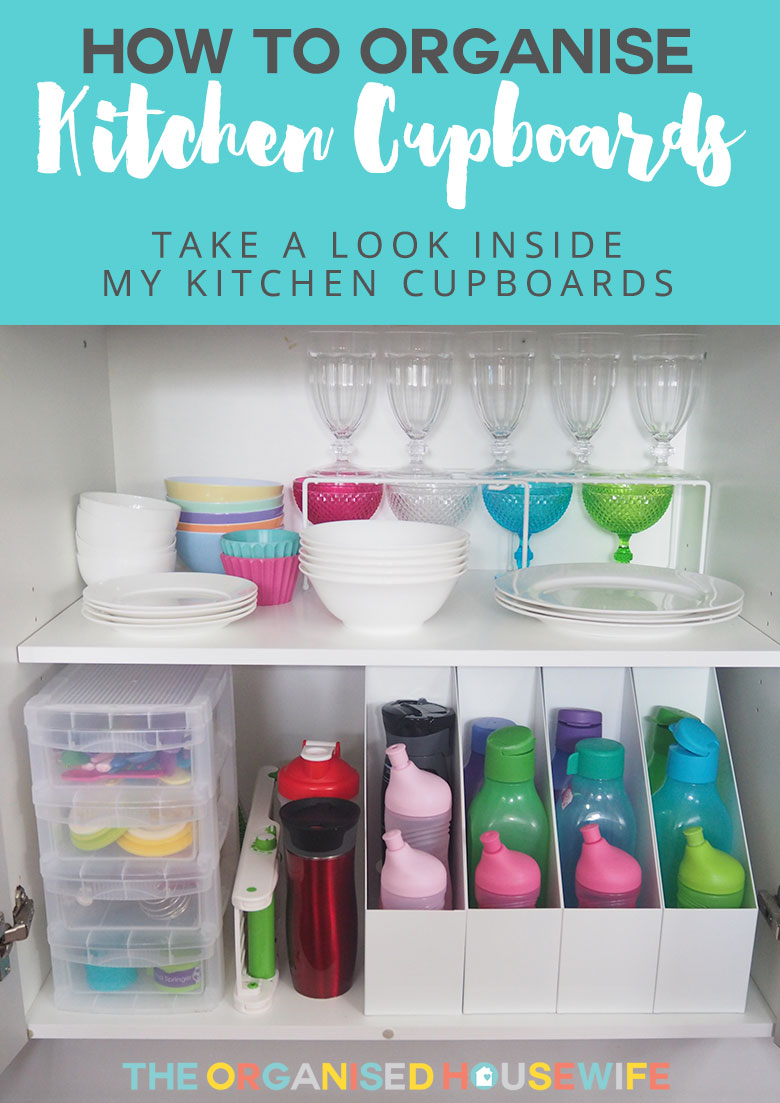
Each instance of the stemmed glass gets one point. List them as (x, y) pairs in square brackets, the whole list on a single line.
[(340, 367), (583, 380), (666, 383), (340, 364), (419, 377), (501, 367)]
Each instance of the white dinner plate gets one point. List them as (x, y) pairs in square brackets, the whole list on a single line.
[(584, 622), (160, 629), (619, 617), (202, 618), (166, 593), (183, 613), (620, 588)]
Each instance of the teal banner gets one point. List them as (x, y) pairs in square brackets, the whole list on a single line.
[(390, 163)]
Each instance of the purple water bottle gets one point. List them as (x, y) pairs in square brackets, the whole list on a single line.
[(474, 773), (572, 725)]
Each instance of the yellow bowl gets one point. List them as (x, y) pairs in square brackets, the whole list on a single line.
[(208, 488)]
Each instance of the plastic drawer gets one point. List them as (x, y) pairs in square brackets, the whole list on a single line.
[(170, 899), (154, 727), (99, 976), (108, 827)]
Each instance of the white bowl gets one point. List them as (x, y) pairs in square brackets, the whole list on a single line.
[(342, 557), (383, 537), (145, 513), (120, 527), (405, 571), (134, 543), (100, 568), (380, 579), (380, 608)]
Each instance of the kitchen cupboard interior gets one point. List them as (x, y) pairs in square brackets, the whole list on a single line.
[(122, 408)]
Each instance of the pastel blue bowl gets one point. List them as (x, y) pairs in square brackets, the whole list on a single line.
[(228, 507), (200, 551), (261, 543), (230, 518)]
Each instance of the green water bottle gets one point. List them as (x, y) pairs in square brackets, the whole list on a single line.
[(708, 878), (509, 803), (662, 739)]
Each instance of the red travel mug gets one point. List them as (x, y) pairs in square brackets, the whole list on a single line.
[(321, 917)]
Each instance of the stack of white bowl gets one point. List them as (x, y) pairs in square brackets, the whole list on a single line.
[(383, 576), (120, 535)]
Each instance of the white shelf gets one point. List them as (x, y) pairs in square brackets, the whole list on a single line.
[(293, 1018), (471, 630)]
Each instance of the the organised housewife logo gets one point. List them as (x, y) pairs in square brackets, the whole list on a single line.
[(369, 1076), (143, 130)]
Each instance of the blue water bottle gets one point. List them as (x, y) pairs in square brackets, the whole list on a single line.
[(594, 793), (689, 798)]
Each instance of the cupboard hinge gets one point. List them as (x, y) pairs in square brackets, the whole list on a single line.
[(16, 931), (769, 906)]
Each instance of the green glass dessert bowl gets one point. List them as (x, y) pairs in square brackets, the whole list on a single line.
[(625, 509)]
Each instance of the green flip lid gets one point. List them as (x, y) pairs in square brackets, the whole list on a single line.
[(708, 871), (599, 759), (509, 754), (662, 721)]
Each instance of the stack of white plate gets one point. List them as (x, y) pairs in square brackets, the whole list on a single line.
[(118, 535), (383, 576), (169, 604), (619, 595)]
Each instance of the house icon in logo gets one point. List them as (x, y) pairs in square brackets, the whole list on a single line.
[(484, 1076)]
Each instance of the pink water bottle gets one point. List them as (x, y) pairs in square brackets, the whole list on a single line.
[(505, 878), (606, 876), (419, 805), (411, 879)]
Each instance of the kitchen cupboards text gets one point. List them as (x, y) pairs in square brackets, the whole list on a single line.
[(123, 138)]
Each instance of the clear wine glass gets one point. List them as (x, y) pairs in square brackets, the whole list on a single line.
[(501, 368), (340, 370), (583, 380), (419, 378), (340, 365), (666, 383)]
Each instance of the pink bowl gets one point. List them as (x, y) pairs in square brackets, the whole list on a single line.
[(339, 501), (275, 578)]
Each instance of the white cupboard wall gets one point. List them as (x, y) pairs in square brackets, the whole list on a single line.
[(123, 408)]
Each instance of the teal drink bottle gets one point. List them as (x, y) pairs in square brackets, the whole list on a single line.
[(689, 798), (594, 794), (662, 741), (509, 803)]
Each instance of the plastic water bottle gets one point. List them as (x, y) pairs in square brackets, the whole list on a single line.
[(689, 798), (419, 805), (505, 878), (594, 794), (426, 729), (411, 879), (606, 876), (662, 740), (509, 803), (474, 773), (318, 771), (708, 878), (572, 726)]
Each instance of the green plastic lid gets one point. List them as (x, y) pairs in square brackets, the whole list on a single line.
[(662, 720), (599, 759), (708, 877), (509, 754)]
